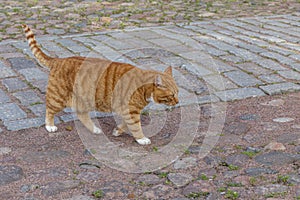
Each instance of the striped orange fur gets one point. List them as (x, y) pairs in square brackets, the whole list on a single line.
[(88, 84)]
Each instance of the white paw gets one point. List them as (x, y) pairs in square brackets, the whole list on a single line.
[(51, 129), (116, 132), (144, 141), (97, 130)]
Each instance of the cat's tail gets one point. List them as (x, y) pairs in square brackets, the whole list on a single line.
[(42, 58)]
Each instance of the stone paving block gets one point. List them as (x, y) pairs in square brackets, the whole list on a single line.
[(118, 44), (145, 34), (232, 58), (214, 51), (174, 61), (253, 68), (7, 49), (187, 41), (27, 97), (269, 64), (271, 78), (157, 52), (11, 111), (14, 84), (107, 52), (121, 35), (239, 93), (280, 88), (288, 74), (5, 72), (280, 50), (281, 59), (246, 55), (219, 83), (33, 74), (3, 97), (41, 85), (72, 45), (165, 42), (38, 109), (24, 123), (197, 69), (137, 43), (242, 79), (295, 66), (23, 46), (290, 46), (220, 66), (295, 56), (21, 63), (51, 46), (135, 54), (7, 56)]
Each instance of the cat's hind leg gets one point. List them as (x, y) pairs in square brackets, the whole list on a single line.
[(120, 129), (84, 117)]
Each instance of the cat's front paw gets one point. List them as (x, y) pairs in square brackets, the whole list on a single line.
[(144, 141), (97, 130), (51, 129)]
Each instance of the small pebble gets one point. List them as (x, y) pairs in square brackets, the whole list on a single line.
[(276, 146), (283, 119)]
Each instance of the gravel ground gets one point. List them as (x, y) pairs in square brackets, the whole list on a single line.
[(256, 157)]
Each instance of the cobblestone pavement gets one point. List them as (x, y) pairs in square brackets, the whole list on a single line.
[(78, 16), (219, 60)]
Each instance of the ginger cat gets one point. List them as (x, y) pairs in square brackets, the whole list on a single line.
[(88, 84)]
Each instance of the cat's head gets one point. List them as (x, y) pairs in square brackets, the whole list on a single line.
[(165, 88)]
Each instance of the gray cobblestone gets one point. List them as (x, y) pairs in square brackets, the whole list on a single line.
[(118, 44), (72, 45), (281, 59), (290, 74), (24, 124), (33, 74), (219, 83), (11, 111), (269, 64), (5, 71), (232, 58), (239, 93), (280, 88), (271, 78), (295, 56), (295, 66), (3, 97), (41, 85), (14, 84), (242, 79), (253, 68), (27, 97), (197, 69), (7, 49), (38, 109), (213, 51), (146, 34), (165, 42), (21, 63), (137, 43)]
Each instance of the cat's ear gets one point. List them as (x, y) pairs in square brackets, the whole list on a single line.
[(158, 81), (168, 71)]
